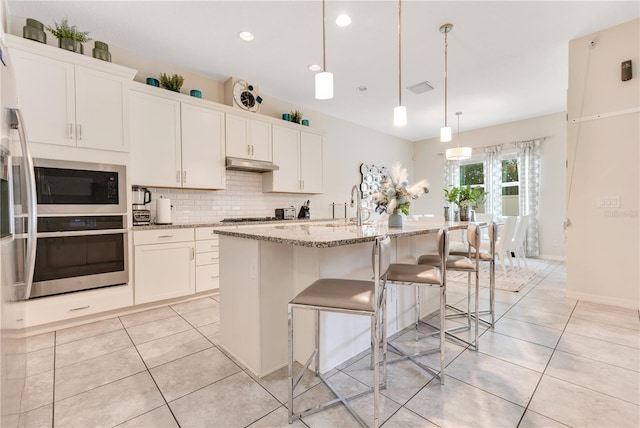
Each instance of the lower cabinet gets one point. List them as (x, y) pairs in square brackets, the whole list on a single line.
[(165, 265), (207, 260)]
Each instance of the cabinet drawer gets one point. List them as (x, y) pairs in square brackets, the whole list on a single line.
[(207, 258), (208, 245), (207, 278), (161, 236), (205, 233)]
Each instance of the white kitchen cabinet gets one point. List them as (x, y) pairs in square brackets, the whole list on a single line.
[(70, 104), (207, 260), (165, 264), (298, 154), (248, 138), (176, 144)]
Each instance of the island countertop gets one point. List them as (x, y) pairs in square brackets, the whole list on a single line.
[(337, 233)]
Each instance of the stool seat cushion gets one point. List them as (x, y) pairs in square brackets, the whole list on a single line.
[(453, 262), (338, 293), (485, 257), (414, 273)]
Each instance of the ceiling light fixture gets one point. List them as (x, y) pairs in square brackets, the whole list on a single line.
[(445, 133), (458, 153), (246, 36), (400, 112), (343, 20), (315, 67), (324, 80)]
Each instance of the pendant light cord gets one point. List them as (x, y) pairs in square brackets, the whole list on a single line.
[(399, 52), (324, 53), (445, 77)]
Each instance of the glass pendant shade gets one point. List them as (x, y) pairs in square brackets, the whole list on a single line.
[(400, 116), (445, 134), (458, 153), (324, 85)]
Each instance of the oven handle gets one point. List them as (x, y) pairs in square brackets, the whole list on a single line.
[(81, 233), (17, 122)]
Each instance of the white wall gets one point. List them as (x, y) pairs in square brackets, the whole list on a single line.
[(428, 163), (603, 154)]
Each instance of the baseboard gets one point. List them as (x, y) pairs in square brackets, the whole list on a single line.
[(550, 257), (604, 300)]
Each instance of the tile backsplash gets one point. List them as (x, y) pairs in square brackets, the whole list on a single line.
[(243, 197)]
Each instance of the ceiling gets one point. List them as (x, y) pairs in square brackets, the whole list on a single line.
[(507, 60)]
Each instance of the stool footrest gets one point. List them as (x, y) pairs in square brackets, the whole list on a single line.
[(412, 358)]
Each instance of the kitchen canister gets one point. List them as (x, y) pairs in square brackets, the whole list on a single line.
[(163, 210)]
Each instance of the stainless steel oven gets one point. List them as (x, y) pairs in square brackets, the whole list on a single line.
[(76, 253)]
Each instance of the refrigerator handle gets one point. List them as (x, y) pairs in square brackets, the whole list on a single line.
[(17, 123)]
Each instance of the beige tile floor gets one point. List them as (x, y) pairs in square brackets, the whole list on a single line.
[(549, 362)]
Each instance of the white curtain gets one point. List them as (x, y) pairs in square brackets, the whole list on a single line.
[(451, 172), (529, 178), (493, 180)]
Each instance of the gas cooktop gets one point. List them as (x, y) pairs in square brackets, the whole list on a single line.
[(247, 219)]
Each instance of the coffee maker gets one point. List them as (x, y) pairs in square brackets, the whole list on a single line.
[(140, 197)]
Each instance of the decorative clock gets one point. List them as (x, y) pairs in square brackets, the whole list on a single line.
[(246, 96)]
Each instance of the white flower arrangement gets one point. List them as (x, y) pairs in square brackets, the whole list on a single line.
[(396, 193)]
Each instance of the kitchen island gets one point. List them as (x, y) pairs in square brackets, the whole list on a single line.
[(262, 268)]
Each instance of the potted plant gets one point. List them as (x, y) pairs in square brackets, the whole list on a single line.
[(173, 82), (465, 197), (68, 36), (295, 116)]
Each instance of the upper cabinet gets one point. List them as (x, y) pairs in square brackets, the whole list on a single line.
[(248, 138), (298, 155), (174, 143), (69, 99)]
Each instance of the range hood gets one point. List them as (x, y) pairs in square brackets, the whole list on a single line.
[(238, 164)]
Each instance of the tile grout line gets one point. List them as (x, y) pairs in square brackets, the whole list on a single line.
[(53, 401)]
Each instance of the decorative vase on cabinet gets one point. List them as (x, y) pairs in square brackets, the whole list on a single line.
[(395, 219), (70, 45)]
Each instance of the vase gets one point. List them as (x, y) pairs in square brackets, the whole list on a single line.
[(395, 219), (447, 214), (464, 213), (70, 45)]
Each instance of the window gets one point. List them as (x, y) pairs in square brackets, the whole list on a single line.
[(472, 174), (510, 187)]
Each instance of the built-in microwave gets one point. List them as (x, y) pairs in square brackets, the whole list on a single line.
[(66, 187)]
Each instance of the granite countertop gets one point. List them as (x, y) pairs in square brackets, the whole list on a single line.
[(336, 233), (154, 226)]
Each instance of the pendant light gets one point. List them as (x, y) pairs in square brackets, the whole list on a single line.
[(445, 133), (458, 153), (400, 112), (324, 79)]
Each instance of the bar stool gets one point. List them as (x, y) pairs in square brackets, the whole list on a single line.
[(462, 264), (347, 296), (488, 257), (420, 276)]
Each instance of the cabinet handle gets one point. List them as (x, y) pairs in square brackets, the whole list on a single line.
[(79, 131), (79, 309), (165, 236), (252, 149), (193, 253), (178, 176), (70, 131), (184, 176), (248, 149), (302, 184)]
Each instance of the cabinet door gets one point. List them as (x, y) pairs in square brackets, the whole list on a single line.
[(237, 137), (311, 162), (163, 271), (203, 164), (45, 90), (285, 155), (155, 140), (100, 100), (260, 140)]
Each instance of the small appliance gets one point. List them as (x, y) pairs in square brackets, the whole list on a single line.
[(140, 197), (286, 213)]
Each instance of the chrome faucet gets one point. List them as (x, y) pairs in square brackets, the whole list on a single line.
[(359, 204)]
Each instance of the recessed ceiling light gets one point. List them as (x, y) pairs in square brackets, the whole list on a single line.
[(245, 35), (361, 88), (343, 20), (315, 67)]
